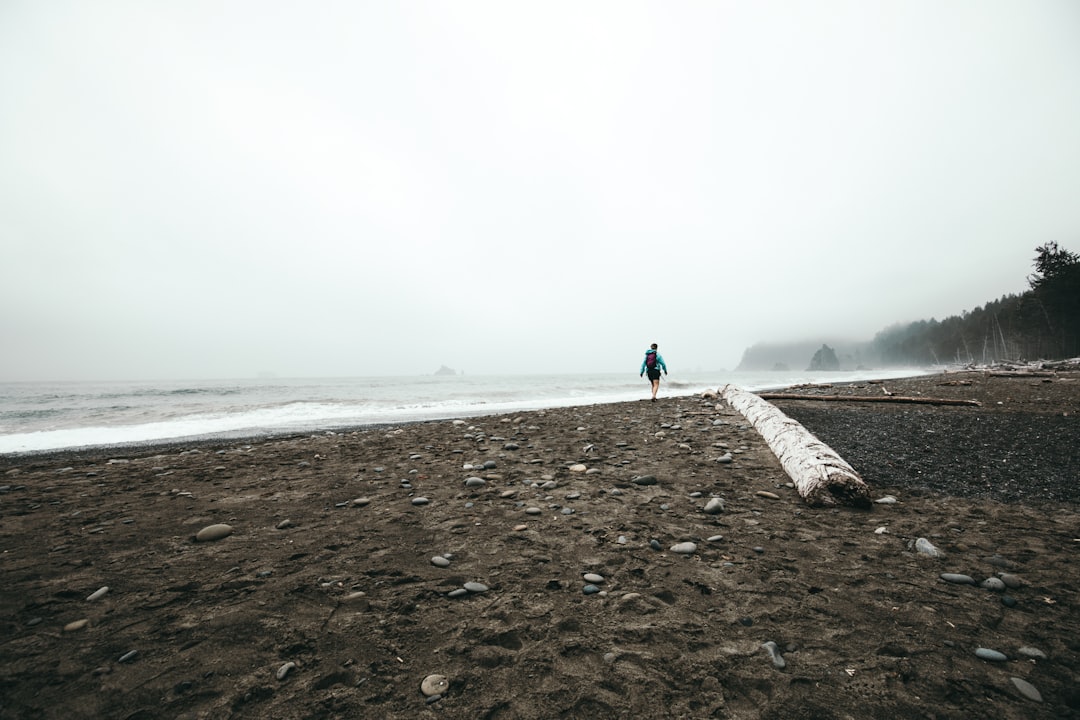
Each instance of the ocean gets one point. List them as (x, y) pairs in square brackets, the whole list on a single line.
[(37, 417)]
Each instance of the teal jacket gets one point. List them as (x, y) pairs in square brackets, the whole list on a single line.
[(659, 362)]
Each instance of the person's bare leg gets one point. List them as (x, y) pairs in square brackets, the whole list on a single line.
[(655, 387)]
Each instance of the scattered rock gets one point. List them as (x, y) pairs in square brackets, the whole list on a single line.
[(1026, 689), (957, 578), (434, 685), (284, 670), (774, 655), (990, 655), (98, 594), (715, 506), (925, 547), (214, 532), (684, 548)]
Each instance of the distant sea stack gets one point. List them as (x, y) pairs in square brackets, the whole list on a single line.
[(443, 370)]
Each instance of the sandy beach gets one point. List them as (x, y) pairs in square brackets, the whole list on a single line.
[(357, 565)]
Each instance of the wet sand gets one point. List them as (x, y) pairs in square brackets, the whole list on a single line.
[(329, 566)]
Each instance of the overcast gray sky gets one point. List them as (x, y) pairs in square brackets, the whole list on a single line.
[(204, 189)]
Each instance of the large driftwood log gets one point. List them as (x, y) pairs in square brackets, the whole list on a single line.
[(820, 475), (868, 398)]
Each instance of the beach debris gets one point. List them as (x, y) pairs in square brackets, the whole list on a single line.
[(821, 476)]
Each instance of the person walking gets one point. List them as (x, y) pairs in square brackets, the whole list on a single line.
[(652, 364)]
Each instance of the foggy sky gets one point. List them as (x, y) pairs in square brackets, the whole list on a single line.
[(214, 190)]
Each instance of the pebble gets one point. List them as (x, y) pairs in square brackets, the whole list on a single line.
[(926, 547), (128, 656), (990, 655), (76, 625), (684, 548), (725, 459), (715, 538), (767, 494), (490, 465), (460, 592), (361, 501), (519, 528), (957, 578), (1030, 652), (621, 540), (475, 587), (881, 530), (533, 511), (1026, 689), (655, 545), (475, 482), (590, 589), (440, 561), (578, 468), (284, 670), (420, 501), (1010, 580), (758, 549), (214, 532), (284, 524), (644, 480), (98, 594), (567, 511), (993, 584), (887, 500), (592, 578), (434, 685), (774, 654), (1008, 601), (714, 506)]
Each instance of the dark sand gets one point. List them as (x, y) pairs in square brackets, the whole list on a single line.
[(865, 624)]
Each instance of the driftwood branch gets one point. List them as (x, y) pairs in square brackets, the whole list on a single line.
[(820, 475), (869, 398)]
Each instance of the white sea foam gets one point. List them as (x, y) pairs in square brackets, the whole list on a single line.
[(40, 417)]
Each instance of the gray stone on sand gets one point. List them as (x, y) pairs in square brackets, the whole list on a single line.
[(475, 482), (593, 578), (644, 480), (715, 506), (98, 594), (440, 561), (774, 655), (925, 547), (990, 655), (684, 548), (476, 587), (213, 532), (284, 670), (993, 584), (1026, 689), (957, 578), (434, 685), (420, 501), (1033, 653)]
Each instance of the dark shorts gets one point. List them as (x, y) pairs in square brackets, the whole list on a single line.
[(653, 373)]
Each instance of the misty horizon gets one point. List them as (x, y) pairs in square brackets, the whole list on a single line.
[(204, 191)]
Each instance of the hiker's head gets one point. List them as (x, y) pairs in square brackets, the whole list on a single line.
[(654, 346)]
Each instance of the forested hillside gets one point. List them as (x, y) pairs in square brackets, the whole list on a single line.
[(1040, 323)]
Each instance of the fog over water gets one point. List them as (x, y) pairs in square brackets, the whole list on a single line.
[(219, 190)]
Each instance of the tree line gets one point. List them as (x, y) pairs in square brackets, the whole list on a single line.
[(1041, 323)]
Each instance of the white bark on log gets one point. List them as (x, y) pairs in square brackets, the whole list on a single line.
[(820, 475)]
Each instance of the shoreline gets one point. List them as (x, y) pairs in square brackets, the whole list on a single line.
[(144, 447), (593, 567)]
